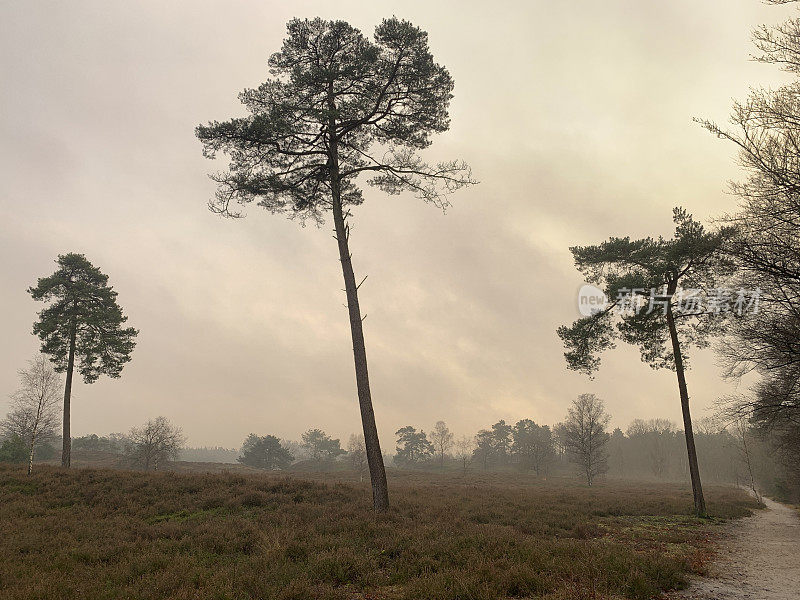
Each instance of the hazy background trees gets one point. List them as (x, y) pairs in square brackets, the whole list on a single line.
[(648, 449), (115, 443), (484, 452), (616, 452), (320, 446), (413, 447), (654, 440), (211, 454), (532, 446), (295, 448), (357, 454), (13, 450), (493, 445)]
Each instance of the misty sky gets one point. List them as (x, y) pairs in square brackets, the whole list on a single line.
[(576, 118)]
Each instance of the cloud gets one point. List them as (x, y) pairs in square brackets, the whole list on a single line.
[(575, 117)]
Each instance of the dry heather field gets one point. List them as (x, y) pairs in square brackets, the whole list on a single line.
[(97, 534)]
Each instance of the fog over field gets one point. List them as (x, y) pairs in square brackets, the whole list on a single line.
[(575, 117)]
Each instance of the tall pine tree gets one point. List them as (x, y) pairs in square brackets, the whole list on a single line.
[(338, 107), (82, 323)]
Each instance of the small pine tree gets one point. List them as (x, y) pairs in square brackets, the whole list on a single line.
[(264, 453)]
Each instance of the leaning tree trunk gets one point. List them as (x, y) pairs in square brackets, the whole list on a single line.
[(380, 493), (694, 470), (377, 472), (66, 441)]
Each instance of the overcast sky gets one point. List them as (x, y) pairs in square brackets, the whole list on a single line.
[(575, 116)]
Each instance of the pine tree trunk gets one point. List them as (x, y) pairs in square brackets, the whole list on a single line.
[(377, 471), (694, 469), (66, 442), (380, 493)]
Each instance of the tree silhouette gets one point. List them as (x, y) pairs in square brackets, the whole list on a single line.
[(442, 439), (532, 444), (264, 453), (320, 445), (413, 446), (642, 280), (339, 106), (493, 445), (83, 323), (155, 443)]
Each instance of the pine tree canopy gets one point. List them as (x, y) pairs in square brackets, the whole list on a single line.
[(337, 105), (81, 300), (628, 269)]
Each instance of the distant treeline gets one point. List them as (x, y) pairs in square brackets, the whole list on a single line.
[(739, 453), (651, 449)]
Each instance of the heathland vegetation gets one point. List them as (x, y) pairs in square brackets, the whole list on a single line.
[(112, 534)]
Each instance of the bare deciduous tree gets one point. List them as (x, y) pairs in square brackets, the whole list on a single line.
[(465, 449), (742, 434), (766, 250), (34, 414), (357, 453), (585, 435), (442, 440), (156, 442)]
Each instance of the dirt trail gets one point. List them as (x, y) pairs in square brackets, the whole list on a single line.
[(759, 559)]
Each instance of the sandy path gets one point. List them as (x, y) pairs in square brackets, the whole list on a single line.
[(759, 559)]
